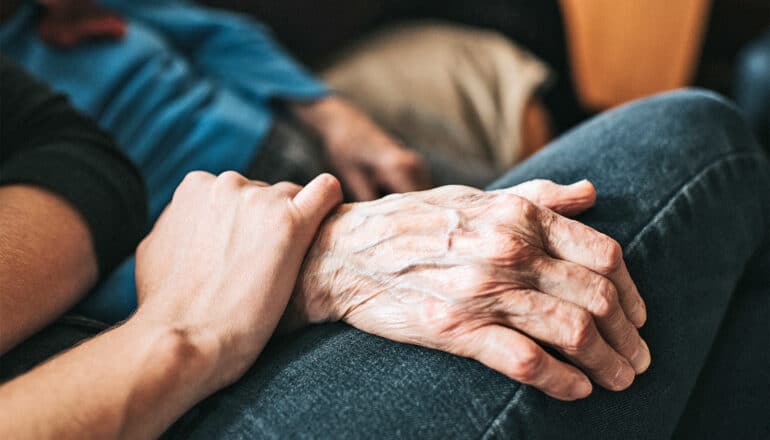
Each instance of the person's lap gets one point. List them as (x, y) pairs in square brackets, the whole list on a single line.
[(681, 185)]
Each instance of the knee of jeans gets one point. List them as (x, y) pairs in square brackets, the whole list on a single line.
[(711, 120)]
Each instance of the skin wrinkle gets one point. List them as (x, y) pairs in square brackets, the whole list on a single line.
[(429, 273), (385, 284), (434, 261)]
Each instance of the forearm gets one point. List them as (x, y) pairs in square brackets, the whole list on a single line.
[(45, 265), (130, 382), (71, 207)]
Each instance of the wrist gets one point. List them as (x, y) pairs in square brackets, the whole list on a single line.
[(177, 354), (318, 292)]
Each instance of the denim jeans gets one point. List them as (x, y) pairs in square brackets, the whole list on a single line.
[(684, 187)]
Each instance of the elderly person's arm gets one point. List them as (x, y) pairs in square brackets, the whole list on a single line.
[(70, 207), (242, 55)]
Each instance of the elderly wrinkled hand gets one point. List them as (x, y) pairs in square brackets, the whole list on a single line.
[(485, 275)]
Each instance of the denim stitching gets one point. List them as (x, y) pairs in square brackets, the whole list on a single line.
[(637, 238)]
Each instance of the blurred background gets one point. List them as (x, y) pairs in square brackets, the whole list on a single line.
[(603, 52)]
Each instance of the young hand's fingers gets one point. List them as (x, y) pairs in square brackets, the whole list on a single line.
[(569, 329), (318, 198), (521, 359), (599, 296), (567, 200), (573, 241), (360, 186)]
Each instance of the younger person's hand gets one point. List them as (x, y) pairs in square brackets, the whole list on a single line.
[(220, 264)]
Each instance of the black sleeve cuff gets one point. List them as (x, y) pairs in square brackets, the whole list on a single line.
[(102, 185)]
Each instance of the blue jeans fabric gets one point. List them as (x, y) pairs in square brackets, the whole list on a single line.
[(684, 187)]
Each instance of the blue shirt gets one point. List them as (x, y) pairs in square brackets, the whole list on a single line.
[(187, 88)]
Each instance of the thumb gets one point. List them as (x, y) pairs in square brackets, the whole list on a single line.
[(567, 200), (318, 198)]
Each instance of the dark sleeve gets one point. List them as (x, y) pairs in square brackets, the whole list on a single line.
[(44, 142)]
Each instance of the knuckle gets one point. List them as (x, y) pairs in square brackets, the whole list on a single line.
[(610, 257), (604, 299), (442, 322), (230, 179), (517, 254), (581, 331), (528, 210), (192, 181), (515, 207), (195, 177), (527, 364)]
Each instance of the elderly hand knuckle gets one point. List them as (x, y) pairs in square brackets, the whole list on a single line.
[(520, 256), (526, 366), (604, 297), (581, 331), (611, 256), (512, 207)]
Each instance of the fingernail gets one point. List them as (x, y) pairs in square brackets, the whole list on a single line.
[(580, 182), (624, 377), (642, 359)]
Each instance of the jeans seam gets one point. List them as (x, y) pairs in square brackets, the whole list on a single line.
[(511, 403), (636, 239)]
